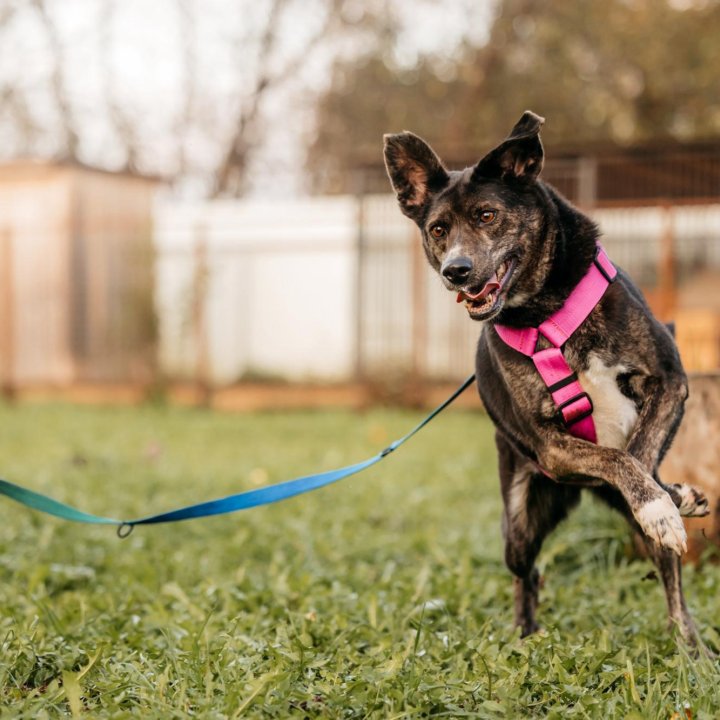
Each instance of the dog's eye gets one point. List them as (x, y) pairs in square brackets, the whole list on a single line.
[(438, 231), (487, 216)]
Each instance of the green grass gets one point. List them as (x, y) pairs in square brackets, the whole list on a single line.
[(384, 596)]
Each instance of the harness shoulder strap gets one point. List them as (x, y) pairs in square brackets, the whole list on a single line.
[(581, 301)]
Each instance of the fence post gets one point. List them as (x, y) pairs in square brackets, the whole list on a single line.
[(360, 288), (199, 321), (7, 315), (667, 265), (587, 182), (419, 320)]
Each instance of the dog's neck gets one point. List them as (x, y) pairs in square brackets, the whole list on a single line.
[(569, 253)]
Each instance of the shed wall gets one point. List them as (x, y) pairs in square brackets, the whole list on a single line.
[(34, 226), (76, 275)]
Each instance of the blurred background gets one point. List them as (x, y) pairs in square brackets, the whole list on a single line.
[(193, 204)]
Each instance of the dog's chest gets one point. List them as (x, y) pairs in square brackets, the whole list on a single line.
[(614, 414)]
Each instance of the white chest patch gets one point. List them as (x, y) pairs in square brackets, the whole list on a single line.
[(614, 414)]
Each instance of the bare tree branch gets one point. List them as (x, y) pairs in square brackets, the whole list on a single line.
[(70, 141), (189, 61), (15, 106), (7, 10), (231, 175), (124, 128)]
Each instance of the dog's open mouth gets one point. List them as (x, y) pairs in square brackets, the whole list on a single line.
[(483, 301)]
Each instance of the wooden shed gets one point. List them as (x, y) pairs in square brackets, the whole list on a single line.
[(76, 275)]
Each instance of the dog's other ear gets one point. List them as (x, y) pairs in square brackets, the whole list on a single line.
[(520, 156), (415, 172)]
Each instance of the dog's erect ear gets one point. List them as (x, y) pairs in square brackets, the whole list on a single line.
[(415, 172), (520, 156)]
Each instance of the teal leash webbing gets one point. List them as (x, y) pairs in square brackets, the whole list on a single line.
[(220, 506)]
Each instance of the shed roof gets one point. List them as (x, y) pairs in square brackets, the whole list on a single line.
[(38, 168)]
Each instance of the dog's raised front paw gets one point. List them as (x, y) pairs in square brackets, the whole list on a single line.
[(691, 501), (660, 521)]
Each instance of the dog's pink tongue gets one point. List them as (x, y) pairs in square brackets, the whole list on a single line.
[(490, 285)]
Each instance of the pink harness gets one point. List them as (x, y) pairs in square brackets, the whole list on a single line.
[(573, 403)]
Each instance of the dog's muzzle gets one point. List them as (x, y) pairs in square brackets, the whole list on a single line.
[(457, 270), (484, 300)]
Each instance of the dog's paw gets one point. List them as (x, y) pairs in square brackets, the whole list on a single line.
[(660, 521), (690, 501)]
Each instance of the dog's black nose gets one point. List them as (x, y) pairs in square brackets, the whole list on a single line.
[(457, 270)]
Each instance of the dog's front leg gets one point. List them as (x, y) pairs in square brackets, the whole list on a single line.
[(567, 458), (662, 409)]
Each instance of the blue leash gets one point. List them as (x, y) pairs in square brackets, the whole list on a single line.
[(231, 503)]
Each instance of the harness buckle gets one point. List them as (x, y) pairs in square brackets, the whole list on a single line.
[(610, 278), (571, 401), (560, 384)]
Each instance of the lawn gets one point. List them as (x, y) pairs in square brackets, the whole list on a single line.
[(384, 596)]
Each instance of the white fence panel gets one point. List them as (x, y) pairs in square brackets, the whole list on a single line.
[(279, 288), (321, 288)]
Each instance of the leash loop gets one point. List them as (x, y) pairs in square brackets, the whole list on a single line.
[(125, 529)]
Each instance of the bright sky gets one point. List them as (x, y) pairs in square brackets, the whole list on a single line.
[(133, 54)]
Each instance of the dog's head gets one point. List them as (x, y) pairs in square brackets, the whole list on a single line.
[(481, 227)]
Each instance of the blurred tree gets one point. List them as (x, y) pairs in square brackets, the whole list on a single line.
[(68, 140), (274, 66), (368, 98), (623, 70), (181, 88), (620, 70), (125, 128), (342, 28), (14, 110)]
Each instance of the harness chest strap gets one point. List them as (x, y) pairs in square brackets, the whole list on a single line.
[(573, 403)]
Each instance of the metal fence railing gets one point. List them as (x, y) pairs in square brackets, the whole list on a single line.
[(411, 326)]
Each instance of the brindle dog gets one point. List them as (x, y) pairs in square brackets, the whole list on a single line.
[(513, 249)]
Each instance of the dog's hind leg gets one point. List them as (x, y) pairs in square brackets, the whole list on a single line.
[(662, 414), (670, 567), (667, 563), (690, 501), (534, 505)]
